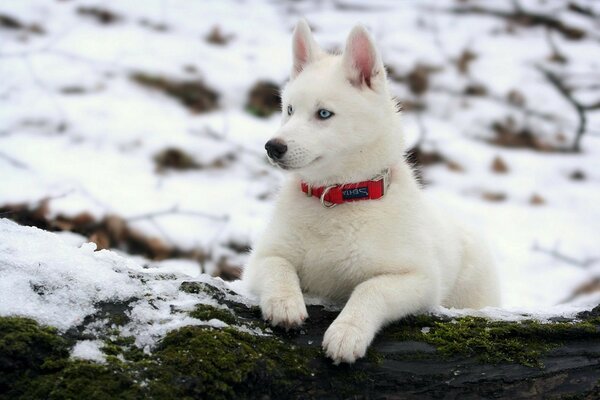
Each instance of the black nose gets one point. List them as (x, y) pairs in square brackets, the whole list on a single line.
[(276, 148)]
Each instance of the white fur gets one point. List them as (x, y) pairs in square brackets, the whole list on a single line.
[(385, 258)]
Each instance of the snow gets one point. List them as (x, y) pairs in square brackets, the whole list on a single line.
[(43, 277), (58, 281), (89, 350), (93, 152)]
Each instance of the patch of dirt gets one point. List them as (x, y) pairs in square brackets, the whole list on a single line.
[(557, 57), (411, 106), (11, 23), (228, 271), (464, 61), (264, 99), (499, 165), (115, 232), (155, 26), (109, 232), (536, 200), (70, 90), (508, 134), (454, 166), (173, 158), (493, 196), (577, 175), (75, 90), (417, 79), (475, 89), (419, 159), (193, 94), (423, 158), (101, 15), (190, 69), (217, 37), (516, 98), (593, 286)]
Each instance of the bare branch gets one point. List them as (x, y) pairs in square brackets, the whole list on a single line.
[(13, 161), (565, 258), (176, 211), (581, 109), (526, 18)]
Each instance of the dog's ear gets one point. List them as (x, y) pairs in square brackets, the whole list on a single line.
[(361, 59), (304, 48)]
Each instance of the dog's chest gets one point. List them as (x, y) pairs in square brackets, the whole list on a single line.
[(336, 257)]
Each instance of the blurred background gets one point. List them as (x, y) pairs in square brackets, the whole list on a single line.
[(141, 124)]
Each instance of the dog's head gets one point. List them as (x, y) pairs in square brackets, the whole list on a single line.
[(338, 118)]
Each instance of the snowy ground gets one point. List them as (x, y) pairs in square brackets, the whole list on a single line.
[(76, 129)]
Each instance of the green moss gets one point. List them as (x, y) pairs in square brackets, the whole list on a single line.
[(116, 345), (82, 379), (206, 313), (411, 328), (374, 356), (492, 341), (192, 362), (243, 314), (35, 364), (28, 350), (226, 363)]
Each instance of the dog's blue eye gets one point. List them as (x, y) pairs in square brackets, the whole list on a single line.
[(290, 110), (324, 114)]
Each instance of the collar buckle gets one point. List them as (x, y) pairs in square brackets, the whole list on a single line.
[(324, 203)]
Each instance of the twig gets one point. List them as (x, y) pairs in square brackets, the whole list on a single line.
[(13, 161), (176, 211), (562, 257), (42, 86), (526, 18), (499, 99), (579, 108), (557, 55), (162, 232), (582, 10)]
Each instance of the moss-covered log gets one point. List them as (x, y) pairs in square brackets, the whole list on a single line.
[(419, 357)]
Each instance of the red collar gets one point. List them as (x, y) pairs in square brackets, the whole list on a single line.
[(333, 195)]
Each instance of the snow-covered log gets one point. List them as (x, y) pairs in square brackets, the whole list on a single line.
[(78, 323)]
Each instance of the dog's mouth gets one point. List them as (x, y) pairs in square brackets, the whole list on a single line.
[(287, 167)]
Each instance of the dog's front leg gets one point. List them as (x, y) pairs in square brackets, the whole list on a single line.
[(374, 303), (278, 285)]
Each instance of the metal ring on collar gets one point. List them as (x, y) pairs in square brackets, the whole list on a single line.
[(323, 202)]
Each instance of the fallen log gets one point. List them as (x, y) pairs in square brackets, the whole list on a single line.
[(420, 357)]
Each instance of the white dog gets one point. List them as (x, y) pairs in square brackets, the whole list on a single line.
[(351, 223)]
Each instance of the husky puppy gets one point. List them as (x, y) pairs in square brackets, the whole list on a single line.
[(351, 223)]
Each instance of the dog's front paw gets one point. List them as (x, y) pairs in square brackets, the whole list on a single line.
[(289, 311), (346, 342)]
